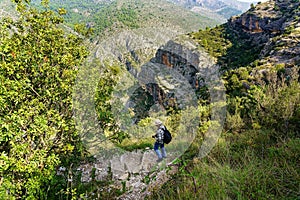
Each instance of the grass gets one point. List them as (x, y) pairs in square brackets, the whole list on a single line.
[(134, 144), (242, 172)]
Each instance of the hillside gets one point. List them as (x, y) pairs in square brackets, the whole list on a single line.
[(106, 17), (257, 155), (218, 9), (267, 34), (109, 16), (78, 124)]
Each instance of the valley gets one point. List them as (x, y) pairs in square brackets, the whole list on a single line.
[(82, 86)]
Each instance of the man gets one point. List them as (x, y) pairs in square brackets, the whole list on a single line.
[(159, 143)]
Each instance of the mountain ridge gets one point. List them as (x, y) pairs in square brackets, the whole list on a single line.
[(269, 24), (220, 9)]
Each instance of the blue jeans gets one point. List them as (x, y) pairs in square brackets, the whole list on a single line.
[(159, 154)]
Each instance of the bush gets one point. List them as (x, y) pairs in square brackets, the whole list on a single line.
[(37, 71)]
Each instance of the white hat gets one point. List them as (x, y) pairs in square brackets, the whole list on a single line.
[(157, 122)]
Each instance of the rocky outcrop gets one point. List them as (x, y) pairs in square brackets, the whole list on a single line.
[(274, 27), (170, 79), (171, 57), (135, 173), (270, 18)]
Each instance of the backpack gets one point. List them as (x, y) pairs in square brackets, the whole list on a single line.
[(167, 135)]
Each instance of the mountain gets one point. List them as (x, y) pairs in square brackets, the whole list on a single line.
[(258, 52), (108, 16), (219, 9), (274, 26), (153, 58), (105, 16)]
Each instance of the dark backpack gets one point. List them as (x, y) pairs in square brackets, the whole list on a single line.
[(167, 135)]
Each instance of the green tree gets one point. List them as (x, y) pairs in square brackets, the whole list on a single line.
[(105, 88), (38, 65)]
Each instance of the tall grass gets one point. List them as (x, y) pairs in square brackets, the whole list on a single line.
[(237, 169)]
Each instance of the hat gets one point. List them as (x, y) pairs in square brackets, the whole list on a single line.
[(157, 122)]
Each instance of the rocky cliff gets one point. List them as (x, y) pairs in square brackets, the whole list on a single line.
[(272, 27), (173, 78), (275, 27)]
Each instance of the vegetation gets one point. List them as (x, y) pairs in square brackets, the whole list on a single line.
[(233, 50), (258, 152), (106, 85), (105, 17), (255, 159), (97, 16), (257, 156), (37, 70)]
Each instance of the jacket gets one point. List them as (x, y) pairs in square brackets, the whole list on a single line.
[(159, 136)]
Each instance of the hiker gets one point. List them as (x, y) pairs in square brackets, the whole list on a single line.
[(159, 143)]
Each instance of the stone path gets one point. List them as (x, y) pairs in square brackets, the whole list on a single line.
[(138, 169)]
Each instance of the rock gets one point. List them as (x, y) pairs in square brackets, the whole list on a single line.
[(117, 167), (148, 161), (124, 176), (260, 25), (132, 161)]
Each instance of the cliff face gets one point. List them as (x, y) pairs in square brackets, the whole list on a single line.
[(173, 78), (172, 60), (273, 25), (259, 19), (270, 17)]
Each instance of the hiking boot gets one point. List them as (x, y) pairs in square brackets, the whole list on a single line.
[(159, 160)]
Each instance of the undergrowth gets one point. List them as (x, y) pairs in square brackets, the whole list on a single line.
[(235, 169)]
